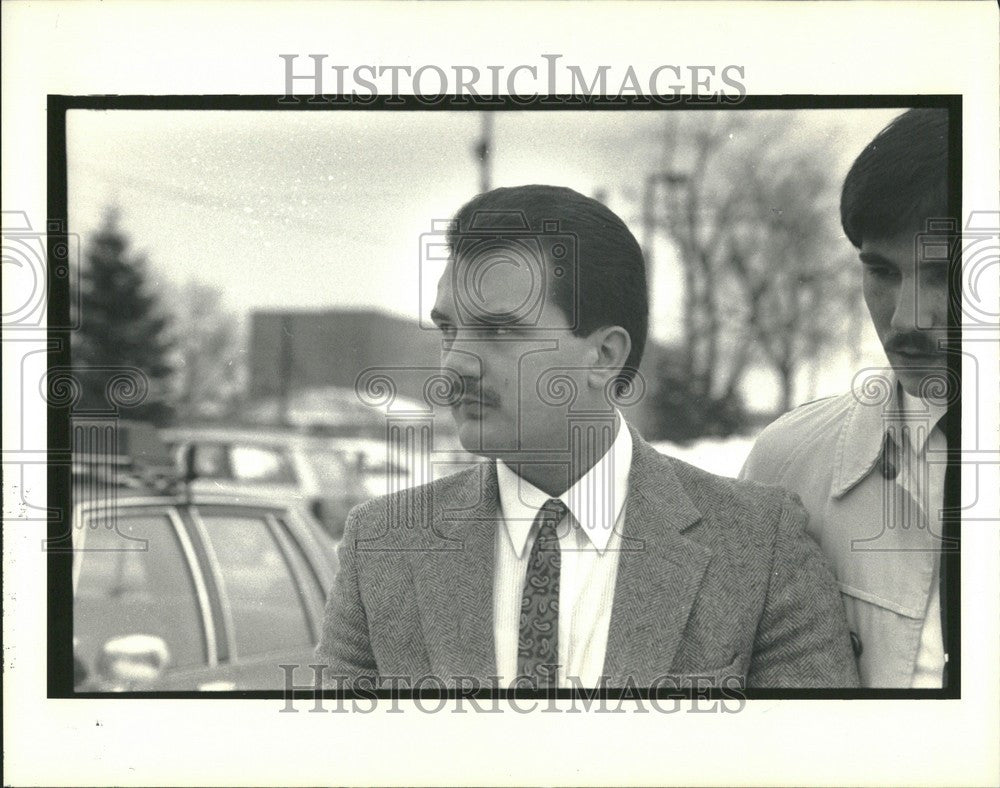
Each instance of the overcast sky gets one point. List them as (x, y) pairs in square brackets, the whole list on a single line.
[(327, 209)]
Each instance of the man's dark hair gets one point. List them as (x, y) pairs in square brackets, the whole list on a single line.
[(900, 179), (611, 287)]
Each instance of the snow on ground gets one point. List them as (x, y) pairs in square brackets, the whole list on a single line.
[(723, 456)]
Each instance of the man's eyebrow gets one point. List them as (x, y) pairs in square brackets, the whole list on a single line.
[(873, 258)]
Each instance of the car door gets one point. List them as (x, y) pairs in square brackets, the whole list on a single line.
[(136, 573), (270, 585)]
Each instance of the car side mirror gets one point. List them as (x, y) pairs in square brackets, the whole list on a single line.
[(131, 662)]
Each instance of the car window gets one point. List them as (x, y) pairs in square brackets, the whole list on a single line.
[(265, 603), (260, 464), (136, 580), (211, 461), (315, 593)]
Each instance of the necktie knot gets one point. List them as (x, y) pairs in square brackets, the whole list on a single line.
[(553, 509), (549, 516)]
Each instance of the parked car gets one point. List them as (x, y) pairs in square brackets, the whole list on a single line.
[(383, 471), (176, 589), (328, 474), (272, 464)]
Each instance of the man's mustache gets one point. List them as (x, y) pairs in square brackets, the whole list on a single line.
[(468, 390), (912, 342)]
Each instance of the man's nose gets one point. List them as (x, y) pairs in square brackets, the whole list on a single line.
[(912, 312), (461, 360)]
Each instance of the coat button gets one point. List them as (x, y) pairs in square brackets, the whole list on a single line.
[(856, 646)]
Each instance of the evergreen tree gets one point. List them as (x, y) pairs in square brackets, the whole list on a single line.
[(121, 326)]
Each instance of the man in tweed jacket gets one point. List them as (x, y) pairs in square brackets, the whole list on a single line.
[(576, 556)]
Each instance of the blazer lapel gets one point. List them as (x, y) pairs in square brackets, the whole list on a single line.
[(659, 572), (453, 579)]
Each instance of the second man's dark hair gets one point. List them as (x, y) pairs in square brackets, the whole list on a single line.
[(900, 179)]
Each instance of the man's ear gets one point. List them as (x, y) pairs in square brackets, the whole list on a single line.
[(610, 347)]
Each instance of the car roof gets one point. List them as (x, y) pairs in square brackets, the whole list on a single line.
[(136, 498), (265, 436), (302, 524)]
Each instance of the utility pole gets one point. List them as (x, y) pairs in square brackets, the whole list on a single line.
[(665, 186), (484, 152)]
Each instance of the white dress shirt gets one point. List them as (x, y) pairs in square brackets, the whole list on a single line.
[(589, 541), (924, 481)]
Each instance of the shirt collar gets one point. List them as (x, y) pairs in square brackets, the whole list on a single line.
[(917, 411), (595, 501), (873, 418)]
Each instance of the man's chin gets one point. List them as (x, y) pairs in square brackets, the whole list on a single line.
[(480, 436), (927, 381)]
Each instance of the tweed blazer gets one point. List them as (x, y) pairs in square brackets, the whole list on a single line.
[(718, 584)]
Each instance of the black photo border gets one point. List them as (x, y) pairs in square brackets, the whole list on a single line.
[(59, 631)]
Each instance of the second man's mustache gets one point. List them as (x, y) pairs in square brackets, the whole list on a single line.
[(912, 342)]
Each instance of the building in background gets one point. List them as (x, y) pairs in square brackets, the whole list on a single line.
[(344, 370), (295, 350)]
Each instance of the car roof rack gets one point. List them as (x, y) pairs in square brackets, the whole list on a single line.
[(124, 453)]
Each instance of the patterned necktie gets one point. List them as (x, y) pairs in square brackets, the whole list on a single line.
[(538, 635)]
